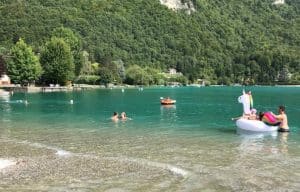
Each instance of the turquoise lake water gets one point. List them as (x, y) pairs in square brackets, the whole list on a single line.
[(191, 146)]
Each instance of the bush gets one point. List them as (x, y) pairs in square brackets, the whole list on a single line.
[(88, 79)]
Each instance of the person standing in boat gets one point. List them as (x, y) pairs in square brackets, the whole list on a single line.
[(282, 118)]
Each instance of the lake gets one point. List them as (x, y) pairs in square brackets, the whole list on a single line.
[(50, 144)]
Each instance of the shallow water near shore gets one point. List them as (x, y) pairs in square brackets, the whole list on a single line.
[(52, 145)]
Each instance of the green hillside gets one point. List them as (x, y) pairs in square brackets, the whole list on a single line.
[(224, 42)]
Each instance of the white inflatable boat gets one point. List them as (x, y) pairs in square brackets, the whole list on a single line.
[(254, 125)]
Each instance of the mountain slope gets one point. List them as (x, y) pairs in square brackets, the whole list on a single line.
[(216, 41)]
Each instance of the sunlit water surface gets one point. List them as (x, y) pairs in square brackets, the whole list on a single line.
[(52, 145)]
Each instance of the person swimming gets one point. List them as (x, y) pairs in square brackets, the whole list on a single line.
[(115, 116), (123, 116)]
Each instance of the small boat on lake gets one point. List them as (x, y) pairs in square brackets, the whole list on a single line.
[(167, 101)]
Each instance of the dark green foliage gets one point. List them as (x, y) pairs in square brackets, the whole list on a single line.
[(57, 62), (106, 76), (135, 75), (110, 72), (23, 66), (249, 42), (75, 44), (87, 79), (120, 69)]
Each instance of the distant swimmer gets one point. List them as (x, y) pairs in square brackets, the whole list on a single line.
[(71, 102), (115, 116)]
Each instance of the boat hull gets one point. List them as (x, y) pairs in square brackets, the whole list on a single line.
[(167, 102), (254, 125)]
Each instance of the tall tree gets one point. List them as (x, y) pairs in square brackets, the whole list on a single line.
[(86, 64), (120, 69), (106, 76), (73, 40), (57, 62), (135, 75), (23, 65)]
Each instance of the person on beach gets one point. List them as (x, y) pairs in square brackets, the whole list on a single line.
[(115, 116), (282, 118)]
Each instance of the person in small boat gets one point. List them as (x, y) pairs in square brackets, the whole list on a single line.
[(251, 116), (260, 115), (282, 118), (115, 116)]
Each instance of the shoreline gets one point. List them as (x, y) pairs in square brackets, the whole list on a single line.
[(82, 87)]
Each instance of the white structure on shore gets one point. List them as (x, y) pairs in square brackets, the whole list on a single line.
[(4, 80), (279, 2), (178, 5)]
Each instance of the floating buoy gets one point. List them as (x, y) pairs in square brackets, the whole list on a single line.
[(71, 102), (122, 90)]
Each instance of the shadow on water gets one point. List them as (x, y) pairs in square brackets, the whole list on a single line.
[(229, 131), (244, 133), (253, 135)]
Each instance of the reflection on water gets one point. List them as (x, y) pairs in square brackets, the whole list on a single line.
[(253, 142), (4, 96), (165, 107), (168, 113), (253, 134), (5, 106), (283, 137)]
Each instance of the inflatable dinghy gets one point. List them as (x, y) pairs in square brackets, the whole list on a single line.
[(254, 125)]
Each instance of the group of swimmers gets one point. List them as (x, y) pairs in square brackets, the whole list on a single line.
[(116, 116)]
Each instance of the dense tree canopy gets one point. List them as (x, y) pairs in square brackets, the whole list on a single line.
[(57, 62), (249, 42), (75, 44), (23, 66)]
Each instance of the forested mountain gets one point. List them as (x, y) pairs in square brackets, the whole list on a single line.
[(224, 42)]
